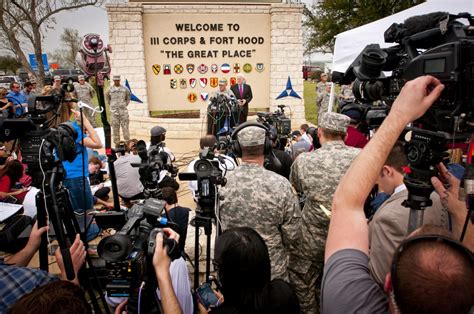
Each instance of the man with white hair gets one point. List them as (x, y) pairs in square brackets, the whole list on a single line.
[(243, 93)]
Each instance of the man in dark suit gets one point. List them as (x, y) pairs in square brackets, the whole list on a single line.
[(243, 93)]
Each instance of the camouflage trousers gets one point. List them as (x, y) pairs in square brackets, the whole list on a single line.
[(119, 119), (322, 109), (305, 277)]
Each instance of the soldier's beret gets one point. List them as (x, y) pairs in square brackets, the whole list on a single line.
[(334, 122)]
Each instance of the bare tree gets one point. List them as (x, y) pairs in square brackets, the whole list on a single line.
[(27, 19), (71, 43)]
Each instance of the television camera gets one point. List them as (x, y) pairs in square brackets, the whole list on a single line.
[(129, 255), (436, 44), (209, 177), (278, 124), (154, 161)]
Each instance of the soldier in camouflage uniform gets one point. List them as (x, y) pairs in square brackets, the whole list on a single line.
[(317, 175), (84, 92), (321, 86), (118, 97), (322, 101), (263, 200)]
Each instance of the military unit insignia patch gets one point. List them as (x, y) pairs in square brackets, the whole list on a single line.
[(178, 69), (156, 69), (233, 81), (247, 68), (192, 97), (192, 82), (190, 68), (204, 96), (259, 67), (236, 68), (166, 69), (203, 82), (213, 81), (225, 68), (202, 68), (214, 68), (174, 83), (183, 83)]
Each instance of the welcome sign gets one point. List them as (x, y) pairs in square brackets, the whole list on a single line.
[(187, 54)]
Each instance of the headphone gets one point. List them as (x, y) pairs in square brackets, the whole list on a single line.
[(65, 141), (267, 146)]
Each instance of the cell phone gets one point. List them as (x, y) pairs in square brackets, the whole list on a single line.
[(206, 296)]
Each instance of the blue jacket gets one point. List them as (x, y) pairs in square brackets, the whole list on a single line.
[(17, 99)]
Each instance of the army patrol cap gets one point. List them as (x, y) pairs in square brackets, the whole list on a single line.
[(334, 122), (57, 78), (157, 130), (80, 77), (222, 82), (116, 78), (251, 136)]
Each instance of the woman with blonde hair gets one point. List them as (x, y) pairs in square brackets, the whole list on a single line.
[(6, 106)]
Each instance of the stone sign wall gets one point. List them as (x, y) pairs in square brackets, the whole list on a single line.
[(131, 57)]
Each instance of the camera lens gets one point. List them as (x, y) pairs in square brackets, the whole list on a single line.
[(372, 62), (114, 248)]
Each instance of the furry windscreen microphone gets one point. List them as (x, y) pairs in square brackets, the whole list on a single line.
[(420, 23)]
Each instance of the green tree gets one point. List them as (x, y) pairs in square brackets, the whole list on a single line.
[(72, 42), (9, 64), (330, 17)]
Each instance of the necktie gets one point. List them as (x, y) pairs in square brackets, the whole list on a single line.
[(241, 89)]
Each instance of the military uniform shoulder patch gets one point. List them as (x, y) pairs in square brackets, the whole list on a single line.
[(213, 81), (173, 83), (204, 96), (183, 83), (178, 69), (167, 69), (225, 68), (247, 68), (192, 82), (156, 69), (203, 82), (214, 68), (190, 68), (202, 68), (259, 67), (233, 80), (236, 68), (192, 97)]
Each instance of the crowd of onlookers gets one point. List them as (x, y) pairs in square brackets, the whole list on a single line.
[(300, 232)]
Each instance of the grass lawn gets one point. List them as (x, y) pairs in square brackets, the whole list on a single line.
[(95, 103), (311, 113)]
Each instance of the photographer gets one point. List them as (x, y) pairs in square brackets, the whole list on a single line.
[(261, 199), (158, 135), (17, 280), (244, 272), (226, 163), (430, 273)]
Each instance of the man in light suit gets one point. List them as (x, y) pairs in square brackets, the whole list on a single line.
[(243, 93), (388, 227)]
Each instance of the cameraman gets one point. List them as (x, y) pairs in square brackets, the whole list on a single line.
[(430, 274), (226, 163), (158, 135)]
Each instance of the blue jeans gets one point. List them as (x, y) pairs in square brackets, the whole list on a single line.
[(76, 195)]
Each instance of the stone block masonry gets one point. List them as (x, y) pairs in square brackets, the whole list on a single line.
[(127, 59)]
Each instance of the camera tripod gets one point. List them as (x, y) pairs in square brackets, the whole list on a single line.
[(204, 221), (53, 202)]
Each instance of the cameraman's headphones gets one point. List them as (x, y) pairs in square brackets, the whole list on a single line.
[(267, 145)]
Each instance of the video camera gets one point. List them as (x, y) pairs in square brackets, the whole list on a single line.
[(126, 252), (434, 44), (39, 142), (154, 160), (208, 175), (278, 124)]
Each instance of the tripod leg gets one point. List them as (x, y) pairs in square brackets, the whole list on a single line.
[(42, 221), (196, 254), (208, 253)]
